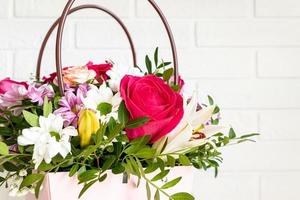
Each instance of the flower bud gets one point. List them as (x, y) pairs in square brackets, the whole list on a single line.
[(88, 124)]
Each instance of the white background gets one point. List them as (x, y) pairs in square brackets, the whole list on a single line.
[(245, 53)]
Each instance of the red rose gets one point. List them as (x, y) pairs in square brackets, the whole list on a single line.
[(151, 97), (6, 85), (52, 76), (100, 70)]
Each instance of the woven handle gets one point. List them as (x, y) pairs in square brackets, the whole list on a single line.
[(61, 23), (88, 6)]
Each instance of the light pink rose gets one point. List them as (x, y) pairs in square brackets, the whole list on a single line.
[(78, 75), (7, 84), (151, 97), (99, 69)]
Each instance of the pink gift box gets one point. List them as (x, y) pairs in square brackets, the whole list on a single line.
[(60, 186)]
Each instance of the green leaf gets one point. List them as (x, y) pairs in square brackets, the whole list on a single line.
[(232, 133), (99, 135), (216, 110), (108, 162), (113, 133), (131, 150), (123, 114), (157, 196), (161, 175), (156, 56), (151, 168), (81, 170), (137, 122), (104, 108), (31, 179), (47, 107), (171, 161), (148, 191), (32, 119), (210, 100), (184, 160), (5, 131), (249, 135), (245, 140), (141, 140), (73, 170), (45, 167), (226, 140), (88, 175), (161, 164), (10, 167), (86, 187), (4, 150), (102, 178), (135, 166), (168, 74), (148, 65), (146, 153), (164, 64), (118, 169), (38, 187), (171, 183), (88, 151), (2, 179), (182, 196)]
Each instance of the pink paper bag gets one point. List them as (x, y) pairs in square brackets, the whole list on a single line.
[(60, 186)]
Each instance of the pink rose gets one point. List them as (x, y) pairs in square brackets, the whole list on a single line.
[(7, 84), (78, 75), (151, 97), (98, 72)]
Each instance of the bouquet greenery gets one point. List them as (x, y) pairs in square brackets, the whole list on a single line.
[(130, 122)]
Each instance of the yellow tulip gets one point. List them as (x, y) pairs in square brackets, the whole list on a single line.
[(88, 124)]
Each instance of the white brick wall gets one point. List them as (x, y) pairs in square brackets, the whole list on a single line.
[(245, 53)]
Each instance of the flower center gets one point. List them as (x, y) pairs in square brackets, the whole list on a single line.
[(56, 135), (198, 136)]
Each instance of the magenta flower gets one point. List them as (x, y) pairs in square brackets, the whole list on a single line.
[(13, 98), (37, 93), (71, 105)]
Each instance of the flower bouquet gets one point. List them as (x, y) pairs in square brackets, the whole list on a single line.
[(100, 123)]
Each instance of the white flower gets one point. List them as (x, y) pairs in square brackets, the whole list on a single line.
[(49, 139), (186, 133), (95, 96), (118, 72), (14, 185), (23, 172)]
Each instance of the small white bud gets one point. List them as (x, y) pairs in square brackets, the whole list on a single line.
[(23, 172)]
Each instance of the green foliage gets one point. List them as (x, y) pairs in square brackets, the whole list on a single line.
[(168, 74), (104, 108), (31, 118), (171, 183), (47, 107), (148, 64), (31, 179), (123, 114), (161, 175), (3, 149), (137, 122), (181, 196)]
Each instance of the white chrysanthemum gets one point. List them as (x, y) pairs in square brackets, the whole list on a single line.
[(14, 183), (118, 72), (96, 96), (49, 139)]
